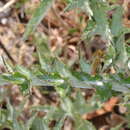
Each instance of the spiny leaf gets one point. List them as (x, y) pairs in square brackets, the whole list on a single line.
[(99, 20), (121, 54), (118, 36), (116, 26)]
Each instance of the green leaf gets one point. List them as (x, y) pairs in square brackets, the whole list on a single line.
[(84, 5), (99, 12), (13, 78), (39, 81), (116, 26), (39, 124), (46, 59), (3, 81), (29, 123), (45, 108), (39, 14), (85, 66), (99, 20), (60, 124), (46, 81), (90, 25), (17, 125), (62, 69), (117, 83), (118, 30), (83, 125), (24, 87), (49, 62), (24, 71), (80, 106), (3, 117), (105, 92), (121, 54)]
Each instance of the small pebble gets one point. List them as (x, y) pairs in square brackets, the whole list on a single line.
[(4, 21)]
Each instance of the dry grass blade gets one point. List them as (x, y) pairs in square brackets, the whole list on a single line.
[(7, 5)]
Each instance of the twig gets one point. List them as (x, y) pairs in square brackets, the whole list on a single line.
[(7, 53), (58, 17), (7, 5)]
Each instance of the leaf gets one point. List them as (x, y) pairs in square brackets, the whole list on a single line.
[(3, 81), (105, 92), (49, 62), (118, 30), (7, 65), (30, 121), (38, 81), (116, 26), (18, 79), (39, 124), (3, 117), (17, 125), (24, 71), (46, 81), (41, 108), (67, 106), (99, 20), (45, 58), (80, 105), (99, 12), (121, 54), (62, 69), (24, 87), (119, 87), (90, 25), (38, 15), (83, 125), (84, 5), (117, 83), (60, 124), (13, 78), (85, 66), (35, 80), (80, 84)]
